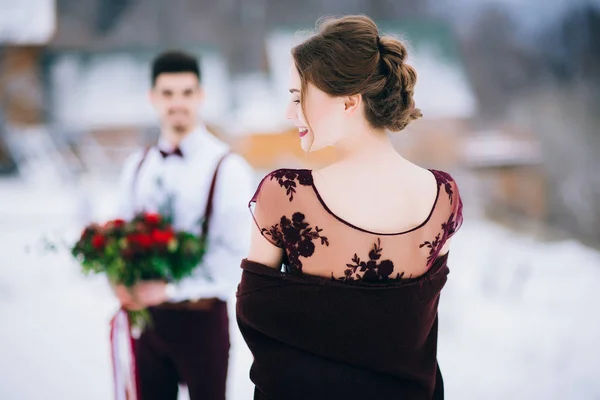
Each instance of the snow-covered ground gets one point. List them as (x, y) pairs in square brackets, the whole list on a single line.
[(518, 318)]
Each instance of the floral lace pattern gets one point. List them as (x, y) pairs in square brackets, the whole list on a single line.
[(300, 239), (289, 179), (444, 179), (297, 236), (436, 245), (372, 270)]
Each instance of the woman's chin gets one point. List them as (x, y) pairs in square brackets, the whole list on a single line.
[(306, 143)]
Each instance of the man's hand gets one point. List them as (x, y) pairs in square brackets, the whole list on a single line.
[(150, 293), (125, 297)]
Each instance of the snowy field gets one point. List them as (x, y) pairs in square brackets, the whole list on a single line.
[(518, 319)]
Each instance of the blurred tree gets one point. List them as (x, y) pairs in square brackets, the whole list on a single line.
[(545, 79), (562, 107), (236, 27), (109, 14), (572, 47), (572, 142), (498, 66)]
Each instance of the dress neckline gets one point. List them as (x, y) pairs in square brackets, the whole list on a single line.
[(324, 205)]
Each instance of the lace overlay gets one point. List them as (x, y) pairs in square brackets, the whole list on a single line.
[(291, 215)]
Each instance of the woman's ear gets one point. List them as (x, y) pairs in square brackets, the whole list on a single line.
[(351, 103)]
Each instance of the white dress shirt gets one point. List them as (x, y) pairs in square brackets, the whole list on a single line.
[(186, 180)]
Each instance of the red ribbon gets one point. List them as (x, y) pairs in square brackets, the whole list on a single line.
[(126, 385)]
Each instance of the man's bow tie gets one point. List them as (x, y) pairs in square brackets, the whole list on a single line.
[(175, 152)]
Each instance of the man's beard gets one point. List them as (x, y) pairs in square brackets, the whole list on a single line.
[(180, 129)]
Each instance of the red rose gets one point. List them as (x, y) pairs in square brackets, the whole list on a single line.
[(162, 237), (152, 218), (141, 240), (145, 241), (98, 241), (113, 225), (89, 230)]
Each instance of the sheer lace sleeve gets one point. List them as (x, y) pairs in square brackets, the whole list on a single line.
[(451, 204), (277, 204), (447, 218), (456, 207), (265, 206)]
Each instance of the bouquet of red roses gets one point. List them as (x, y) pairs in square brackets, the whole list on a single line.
[(145, 248)]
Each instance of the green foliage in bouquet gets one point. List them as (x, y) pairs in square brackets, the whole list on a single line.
[(145, 248)]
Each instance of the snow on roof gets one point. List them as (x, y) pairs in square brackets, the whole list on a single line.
[(496, 149), (27, 22)]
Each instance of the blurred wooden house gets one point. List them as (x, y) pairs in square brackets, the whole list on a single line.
[(82, 71), (508, 166), (25, 28)]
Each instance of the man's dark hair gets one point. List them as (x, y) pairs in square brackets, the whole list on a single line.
[(174, 62)]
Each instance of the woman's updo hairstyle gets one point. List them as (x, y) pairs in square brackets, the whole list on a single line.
[(347, 56)]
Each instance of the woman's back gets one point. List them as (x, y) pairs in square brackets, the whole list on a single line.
[(388, 194), (327, 226)]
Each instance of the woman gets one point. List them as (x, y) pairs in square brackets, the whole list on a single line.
[(363, 242)]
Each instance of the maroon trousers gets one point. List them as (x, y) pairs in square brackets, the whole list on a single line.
[(187, 345)]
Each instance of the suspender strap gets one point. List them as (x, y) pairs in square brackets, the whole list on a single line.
[(211, 193), (137, 172), (210, 201)]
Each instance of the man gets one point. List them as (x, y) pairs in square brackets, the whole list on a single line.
[(189, 338)]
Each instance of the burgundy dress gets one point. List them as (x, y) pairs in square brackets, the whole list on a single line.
[(369, 331)]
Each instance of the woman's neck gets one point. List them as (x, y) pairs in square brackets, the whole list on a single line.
[(368, 145)]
